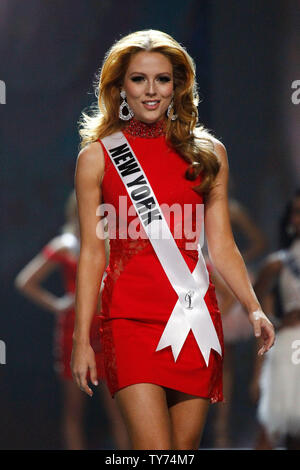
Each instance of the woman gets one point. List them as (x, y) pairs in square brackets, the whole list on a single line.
[(147, 90), (277, 378), (62, 252)]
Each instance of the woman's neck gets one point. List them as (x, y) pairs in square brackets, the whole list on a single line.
[(139, 128)]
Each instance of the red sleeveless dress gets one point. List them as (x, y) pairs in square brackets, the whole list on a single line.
[(137, 297), (64, 325)]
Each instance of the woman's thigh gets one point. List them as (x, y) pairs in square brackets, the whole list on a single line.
[(145, 412), (188, 415)]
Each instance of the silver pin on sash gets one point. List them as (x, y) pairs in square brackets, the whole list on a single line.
[(188, 298)]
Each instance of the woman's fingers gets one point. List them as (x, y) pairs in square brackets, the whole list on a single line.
[(93, 374), (263, 329), (82, 360), (84, 386), (267, 333), (262, 350), (80, 380)]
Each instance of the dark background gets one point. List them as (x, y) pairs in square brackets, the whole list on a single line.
[(246, 58)]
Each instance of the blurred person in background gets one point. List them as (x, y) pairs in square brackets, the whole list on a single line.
[(62, 252), (276, 380), (236, 326)]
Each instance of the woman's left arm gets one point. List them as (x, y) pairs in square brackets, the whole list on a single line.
[(225, 255)]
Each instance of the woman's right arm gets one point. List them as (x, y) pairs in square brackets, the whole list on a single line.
[(91, 264)]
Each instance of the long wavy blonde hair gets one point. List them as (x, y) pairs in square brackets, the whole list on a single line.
[(188, 137)]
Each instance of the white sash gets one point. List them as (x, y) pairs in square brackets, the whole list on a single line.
[(190, 311)]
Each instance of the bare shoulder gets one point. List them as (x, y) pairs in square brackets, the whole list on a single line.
[(218, 146), (90, 161), (220, 151)]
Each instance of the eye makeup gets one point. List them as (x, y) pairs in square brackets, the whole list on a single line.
[(161, 78)]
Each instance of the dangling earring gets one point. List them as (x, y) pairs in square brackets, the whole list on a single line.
[(124, 106), (169, 110)]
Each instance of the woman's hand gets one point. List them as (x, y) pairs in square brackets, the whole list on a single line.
[(82, 360), (264, 329)]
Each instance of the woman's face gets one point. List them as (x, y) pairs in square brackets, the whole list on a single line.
[(148, 83), (295, 215)]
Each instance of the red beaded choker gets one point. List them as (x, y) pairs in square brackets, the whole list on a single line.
[(142, 129)]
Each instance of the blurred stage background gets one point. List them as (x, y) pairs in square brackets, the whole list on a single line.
[(246, 57)]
